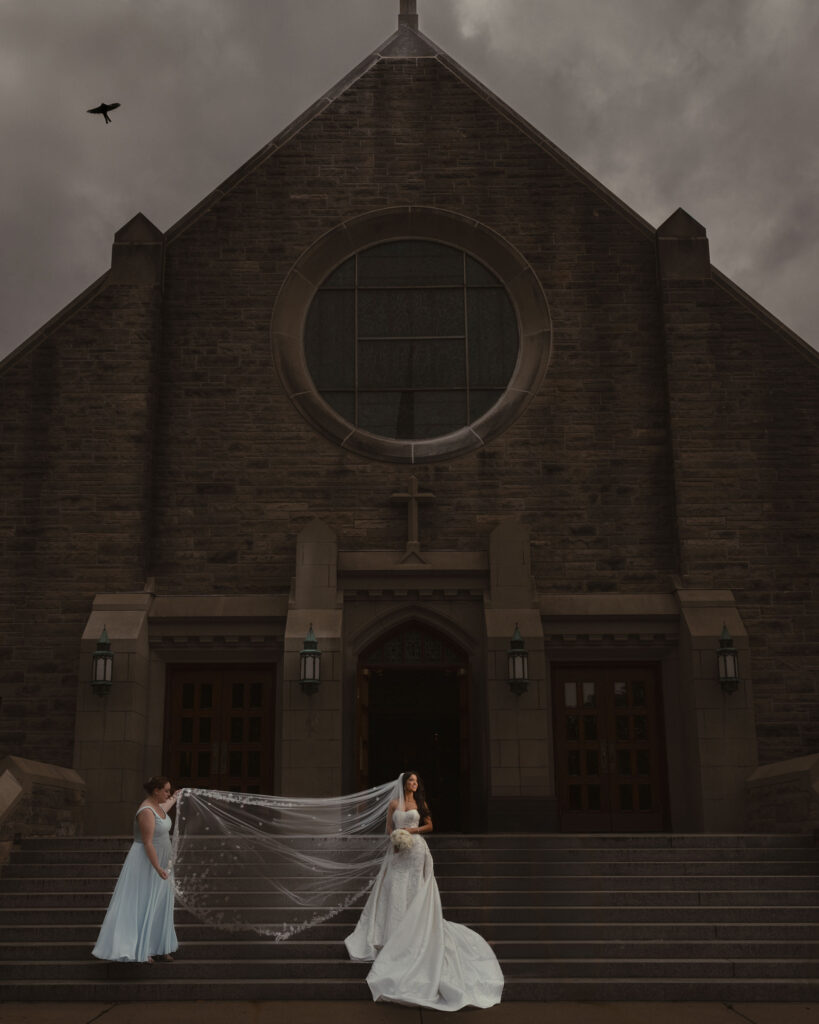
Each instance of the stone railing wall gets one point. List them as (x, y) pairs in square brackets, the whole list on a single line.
[(38, 799), (784, 796)]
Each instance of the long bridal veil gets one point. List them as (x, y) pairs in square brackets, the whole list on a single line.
[(277, 865)]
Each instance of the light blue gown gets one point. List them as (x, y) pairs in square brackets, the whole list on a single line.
[(139, 921)]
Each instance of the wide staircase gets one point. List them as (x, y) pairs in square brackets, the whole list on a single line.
[(571, 917)]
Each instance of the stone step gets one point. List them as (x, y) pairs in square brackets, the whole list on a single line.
[(296, 968), (602, 841), (514, 929), (80, 858), (643, 918), (484, 869), (534, 951), (511, 882), (51, 906), (156, 983), (491, 906)]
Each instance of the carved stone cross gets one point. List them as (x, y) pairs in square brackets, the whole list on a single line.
[(412, 497)]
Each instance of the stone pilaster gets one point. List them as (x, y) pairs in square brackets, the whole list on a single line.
[(311, 732)]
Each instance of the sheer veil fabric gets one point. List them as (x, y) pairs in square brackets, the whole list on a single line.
[(277, 865)]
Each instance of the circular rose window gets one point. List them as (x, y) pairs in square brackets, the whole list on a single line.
[(412, 348)]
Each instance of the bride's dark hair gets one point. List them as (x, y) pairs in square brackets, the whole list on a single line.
[(420, 796)]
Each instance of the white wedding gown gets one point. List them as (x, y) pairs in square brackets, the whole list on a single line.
[(419, 959)]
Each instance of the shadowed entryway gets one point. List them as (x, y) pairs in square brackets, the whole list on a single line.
[(413, 714)]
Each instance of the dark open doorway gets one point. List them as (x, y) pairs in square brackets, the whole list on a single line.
[(414, 715)]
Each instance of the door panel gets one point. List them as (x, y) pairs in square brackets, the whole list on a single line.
[(609, 748), (219, 726)]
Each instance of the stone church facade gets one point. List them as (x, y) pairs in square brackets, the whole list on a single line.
[(413, 380)]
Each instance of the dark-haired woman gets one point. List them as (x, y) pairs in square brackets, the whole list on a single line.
[(138, 926), (419, 959)]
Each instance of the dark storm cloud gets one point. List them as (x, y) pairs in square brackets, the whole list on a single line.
[(707, 105)]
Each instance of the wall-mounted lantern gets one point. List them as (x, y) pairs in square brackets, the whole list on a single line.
[(102, 666), (518, 664), (310, 663), (727, 662)]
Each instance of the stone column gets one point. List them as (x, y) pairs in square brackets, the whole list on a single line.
[(522, 787), (720, 728), (113, 750), (311, 731)]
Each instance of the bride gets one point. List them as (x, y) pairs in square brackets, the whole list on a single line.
[(419, 958)]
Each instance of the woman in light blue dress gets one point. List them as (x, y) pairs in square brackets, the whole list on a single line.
[(138, 926)]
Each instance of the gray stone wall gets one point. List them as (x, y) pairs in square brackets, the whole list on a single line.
[(147, 433)]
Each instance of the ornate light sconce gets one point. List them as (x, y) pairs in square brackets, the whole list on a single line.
[(518, 664), (310, 663), (102, 666), (727, 662)]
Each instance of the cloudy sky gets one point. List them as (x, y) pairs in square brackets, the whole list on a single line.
[(706, 104)]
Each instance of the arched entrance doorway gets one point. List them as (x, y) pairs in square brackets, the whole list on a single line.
[(413, 714)]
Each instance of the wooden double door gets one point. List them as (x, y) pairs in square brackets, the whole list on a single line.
[(219, 727), (609, 748)]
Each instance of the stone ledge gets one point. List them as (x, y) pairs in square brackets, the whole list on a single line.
[(784, 796), (38, 799)]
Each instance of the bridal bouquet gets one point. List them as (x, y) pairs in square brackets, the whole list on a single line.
[(401, 839)]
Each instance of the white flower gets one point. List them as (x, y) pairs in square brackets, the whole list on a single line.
[(401, 839)]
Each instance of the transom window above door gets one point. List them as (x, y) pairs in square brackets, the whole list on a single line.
[(411, 339)]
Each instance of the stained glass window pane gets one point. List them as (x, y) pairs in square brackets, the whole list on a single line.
[(572, 727), (493, 338), (411, 262), (592, 762), (419, 312), (588, 695), (621, 695), (330, 339), (413, 363), (590, 727), (570, 695)]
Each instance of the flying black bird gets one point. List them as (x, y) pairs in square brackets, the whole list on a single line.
[(103, 109)]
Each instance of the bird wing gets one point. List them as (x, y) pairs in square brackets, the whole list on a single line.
[(97, 110), (111, 106)]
